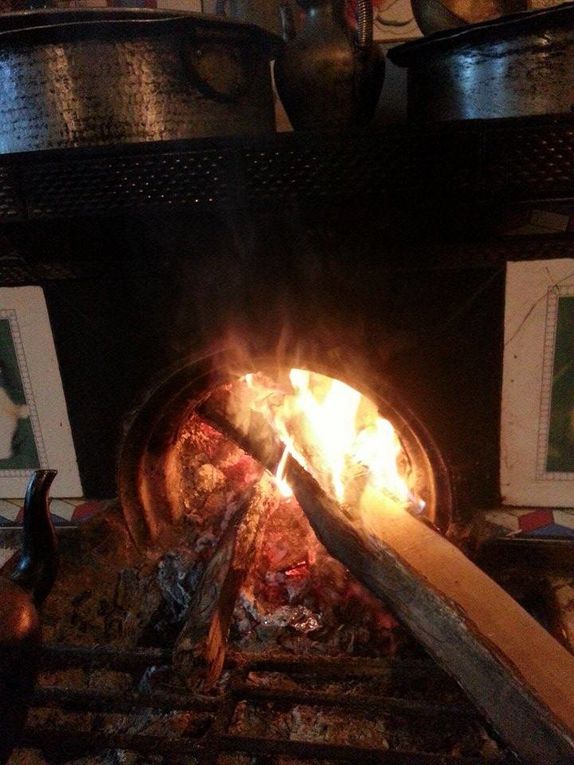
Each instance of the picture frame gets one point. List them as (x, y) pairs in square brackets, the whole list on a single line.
[(537, 416), (34, 427)]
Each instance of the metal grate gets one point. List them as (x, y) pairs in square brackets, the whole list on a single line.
[(219, 736), (70, 187), (525, 159), (10, 201)]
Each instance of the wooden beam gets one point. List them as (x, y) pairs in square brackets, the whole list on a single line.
[(517, 675)]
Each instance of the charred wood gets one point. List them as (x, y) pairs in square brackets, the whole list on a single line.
[(202, 641)]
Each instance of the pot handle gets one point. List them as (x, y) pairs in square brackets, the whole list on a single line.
[(364, 19), (220, 72)]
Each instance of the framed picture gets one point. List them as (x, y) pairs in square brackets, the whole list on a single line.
[(537, 427), (34, 428)]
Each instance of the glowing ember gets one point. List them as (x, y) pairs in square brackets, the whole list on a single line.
[(335, 432)]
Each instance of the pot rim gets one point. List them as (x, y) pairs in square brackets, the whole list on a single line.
[(22, 23), (505, 28)]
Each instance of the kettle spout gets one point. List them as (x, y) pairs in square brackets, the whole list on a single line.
[(37, 567)]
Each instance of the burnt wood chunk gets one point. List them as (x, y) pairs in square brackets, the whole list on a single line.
[(201, 644), (515, 672)]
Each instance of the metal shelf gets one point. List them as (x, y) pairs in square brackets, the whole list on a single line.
[(515, 160)]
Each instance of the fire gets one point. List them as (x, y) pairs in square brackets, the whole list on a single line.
[(335, 432)]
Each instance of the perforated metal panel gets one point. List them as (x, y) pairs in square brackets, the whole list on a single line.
[(531, 159), (101, 185), (524, 159)]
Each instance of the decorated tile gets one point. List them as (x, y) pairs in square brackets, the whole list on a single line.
[(536, 520), (552, 530)]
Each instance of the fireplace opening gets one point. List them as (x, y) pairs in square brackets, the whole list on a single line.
[(352, 435), (183, 463), (246, 638), (237, 626)]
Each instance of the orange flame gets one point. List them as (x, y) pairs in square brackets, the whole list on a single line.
[(335, 432)]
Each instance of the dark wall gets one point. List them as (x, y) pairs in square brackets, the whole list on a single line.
[(159, 288)]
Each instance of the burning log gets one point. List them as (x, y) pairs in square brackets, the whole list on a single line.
[(517, 674), (202, 641)]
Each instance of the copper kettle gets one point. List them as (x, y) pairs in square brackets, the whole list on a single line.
[(21, 595), (329, 76)]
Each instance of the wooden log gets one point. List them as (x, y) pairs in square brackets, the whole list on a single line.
[(201, 643), (517, 675)]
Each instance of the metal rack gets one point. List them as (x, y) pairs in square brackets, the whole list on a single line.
[(517, 160), (218, 737)]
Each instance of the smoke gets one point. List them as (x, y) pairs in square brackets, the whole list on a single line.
[(262, 285)]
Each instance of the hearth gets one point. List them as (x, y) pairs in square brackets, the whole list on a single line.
[(363, 302), (152, 488), (315, 669), (355, 686)]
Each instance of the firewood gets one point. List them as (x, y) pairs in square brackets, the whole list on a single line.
[(516, 673), (202, 641)]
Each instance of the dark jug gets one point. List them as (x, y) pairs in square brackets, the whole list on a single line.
[(21, 595), (329, 76)]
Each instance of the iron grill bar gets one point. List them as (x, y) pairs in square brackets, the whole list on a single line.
[(68, 740), (333, 666), (384, 704), (104, 701), (340, 752), (221, 709), (60, 656)]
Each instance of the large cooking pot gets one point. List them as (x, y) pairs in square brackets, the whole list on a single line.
[(109, 76), (515, 66)]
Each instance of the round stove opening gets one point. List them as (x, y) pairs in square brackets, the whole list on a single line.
[(333, 431), (363, 446)]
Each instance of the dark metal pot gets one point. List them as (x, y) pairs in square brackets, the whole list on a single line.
[(515, 66), (112, 76)]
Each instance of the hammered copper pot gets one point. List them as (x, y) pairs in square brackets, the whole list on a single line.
[(113, 76)]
